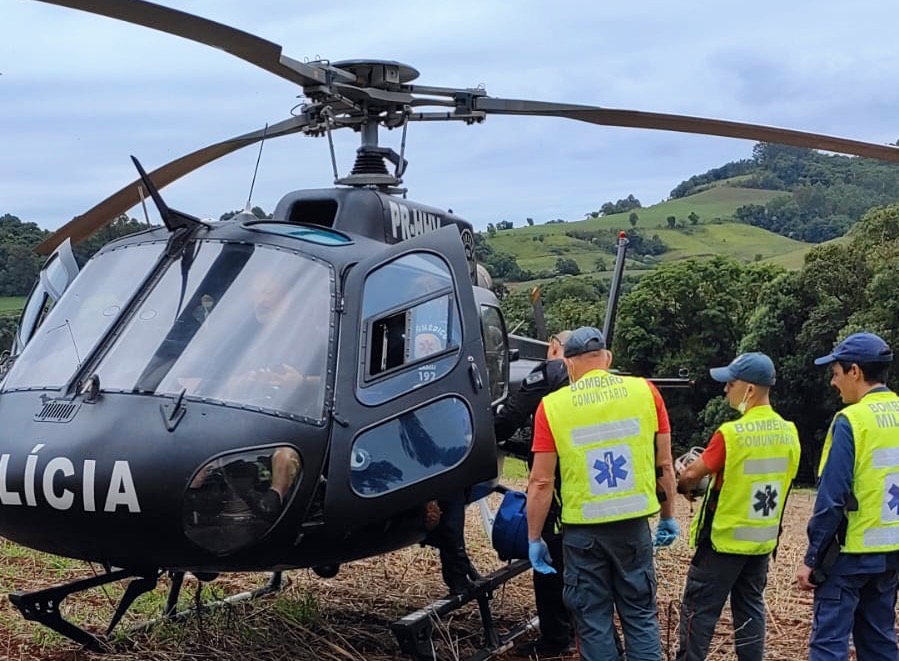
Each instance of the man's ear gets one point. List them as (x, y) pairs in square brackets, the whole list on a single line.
[(609, 356)]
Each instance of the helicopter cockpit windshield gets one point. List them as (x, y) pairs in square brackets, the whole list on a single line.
[(236, 323)]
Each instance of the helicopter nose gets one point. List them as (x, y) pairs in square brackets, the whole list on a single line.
[(236, 499)]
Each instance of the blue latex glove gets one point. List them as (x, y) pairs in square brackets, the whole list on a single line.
[(538, 554), (667, 532)]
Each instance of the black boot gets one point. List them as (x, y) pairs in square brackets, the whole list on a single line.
[(458, 572), (449, 539)]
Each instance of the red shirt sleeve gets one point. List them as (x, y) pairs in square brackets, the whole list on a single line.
[(544, 441), (714, 455), (661, 411)]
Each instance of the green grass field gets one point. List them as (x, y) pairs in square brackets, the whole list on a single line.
[(11, 305)]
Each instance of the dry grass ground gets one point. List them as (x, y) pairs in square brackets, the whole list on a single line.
[(348, 617)]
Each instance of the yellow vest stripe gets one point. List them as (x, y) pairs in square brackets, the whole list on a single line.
[(885, 458), (605, 431), (745, 534), (616, 507), (761, 466)]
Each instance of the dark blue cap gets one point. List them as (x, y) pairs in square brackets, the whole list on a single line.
[(584, 340), (859, 348), (755, 368)]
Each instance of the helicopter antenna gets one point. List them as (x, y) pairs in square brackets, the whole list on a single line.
[(143, 203), (256, 169)]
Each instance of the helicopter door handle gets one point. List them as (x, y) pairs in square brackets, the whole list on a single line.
[(475, 374)]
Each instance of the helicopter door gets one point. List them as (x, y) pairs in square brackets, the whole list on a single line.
[(412, 411), (55, 277)]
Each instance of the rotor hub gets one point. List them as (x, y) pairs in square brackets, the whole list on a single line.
[(381, 74)]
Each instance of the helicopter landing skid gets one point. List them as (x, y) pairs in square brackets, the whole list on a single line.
[(414, 631), (43, 605)]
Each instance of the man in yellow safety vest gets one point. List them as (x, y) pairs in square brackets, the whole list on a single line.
[(753, 461), (611, 438), (853, 550)]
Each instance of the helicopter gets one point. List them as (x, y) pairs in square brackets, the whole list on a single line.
[(270, 394)]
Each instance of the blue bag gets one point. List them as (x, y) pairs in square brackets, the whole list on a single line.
[(510, 527)]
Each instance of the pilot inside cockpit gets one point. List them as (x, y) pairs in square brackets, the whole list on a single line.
[(253, 332), (282, 372)]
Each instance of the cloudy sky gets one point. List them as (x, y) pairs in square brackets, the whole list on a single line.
[(79, 93)]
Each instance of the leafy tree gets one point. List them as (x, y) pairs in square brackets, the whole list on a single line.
[(8, 326), (600, 264), (256, 211), (688, 315), (621, 206), (519, 314), (121, 226), (569, 313), (482, 250), (491, 230), (672, 221), (700, 182), (693, 218), (19, 265), (716, 412), (530, 222), (582, 289), (503, 265), (633, 219), (567, 266)]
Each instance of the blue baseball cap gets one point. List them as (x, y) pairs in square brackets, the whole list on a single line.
[(584, 340), (859, 348), (755, 368)]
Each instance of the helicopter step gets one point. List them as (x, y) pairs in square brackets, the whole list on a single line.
[(43, 606), (414, 631)]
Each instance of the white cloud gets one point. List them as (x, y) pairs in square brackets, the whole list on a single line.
[(79, 93)]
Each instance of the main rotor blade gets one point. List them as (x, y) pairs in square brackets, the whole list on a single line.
[(686, 124), (255, 50), (115, 205)]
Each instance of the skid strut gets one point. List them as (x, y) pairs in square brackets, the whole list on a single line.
[(43, 605), (414, 632)]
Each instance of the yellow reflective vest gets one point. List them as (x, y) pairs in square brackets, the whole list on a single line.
[(760, 462), (874, 526), (604, 426)]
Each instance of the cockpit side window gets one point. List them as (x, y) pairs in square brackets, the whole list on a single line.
[(412, 332), (494, 332)]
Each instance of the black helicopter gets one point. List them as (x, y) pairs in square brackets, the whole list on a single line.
[(268, 394)]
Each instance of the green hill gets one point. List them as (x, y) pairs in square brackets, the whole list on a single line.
[(11, 306), (536, 248)]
